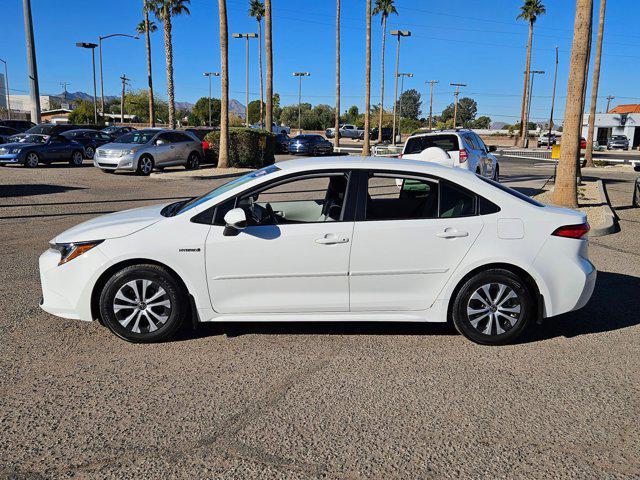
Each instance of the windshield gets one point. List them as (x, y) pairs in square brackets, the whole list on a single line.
[(41, 129), (136, 137), (194, 202), (34, 139)]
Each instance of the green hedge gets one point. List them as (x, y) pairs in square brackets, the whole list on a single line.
[(248, 147)]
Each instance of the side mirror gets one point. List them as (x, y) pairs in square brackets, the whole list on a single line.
[(492, 148), (235, 219), (160, 142)]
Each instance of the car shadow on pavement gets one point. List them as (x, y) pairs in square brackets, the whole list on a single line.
[(32, 189), (600, 315)]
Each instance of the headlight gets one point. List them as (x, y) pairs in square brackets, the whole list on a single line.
[(69, 251), (128, 152)]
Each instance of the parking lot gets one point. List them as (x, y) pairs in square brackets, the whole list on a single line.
[(308, 400)]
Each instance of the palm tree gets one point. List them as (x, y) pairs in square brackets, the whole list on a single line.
[(384, 8), (565, 193), (529, 11), (366, 150), (336, 125), (147, 27), (268, 47), (223, 154), (164, 10), (594, 87), (256, 10)]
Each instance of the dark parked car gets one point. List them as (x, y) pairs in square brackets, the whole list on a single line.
[(386, 134), (311, 144), (19, 125), (6, 132), (115, 131), (36, 148), (90, 140), (200, 133), (282, 142), (45, 129), (618, 141)]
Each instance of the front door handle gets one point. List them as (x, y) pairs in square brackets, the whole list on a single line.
[(452, 233), (331, 239)]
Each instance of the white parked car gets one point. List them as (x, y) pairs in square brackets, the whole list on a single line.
[(275, 128), (454, 148), (330, 239)]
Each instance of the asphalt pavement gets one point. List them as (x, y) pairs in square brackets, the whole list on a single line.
[(308, 400)]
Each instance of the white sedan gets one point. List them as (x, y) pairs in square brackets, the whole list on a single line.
[(332, 239)]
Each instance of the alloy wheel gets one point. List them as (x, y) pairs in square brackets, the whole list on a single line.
[(89, 152), (146, 165), (76, 158), (32, 160), (494, 309), (142, 306)]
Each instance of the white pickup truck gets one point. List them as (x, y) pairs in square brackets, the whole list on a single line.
[(274, 128), (346, 131)]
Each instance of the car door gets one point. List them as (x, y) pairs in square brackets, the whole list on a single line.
[(487, 158), (54, 149), (409, 236), (296, 263), (162, 150)]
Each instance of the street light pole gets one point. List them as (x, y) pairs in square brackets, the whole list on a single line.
[(6, 86), (401, 75), (456, 94), (246, 36), (397, 34), (92, 46), (100, 39), (209, 75), (34, 88), (526, 126), (300, 75), (431, 84), (553, 100)]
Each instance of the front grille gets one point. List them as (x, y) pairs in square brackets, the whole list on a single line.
[(108, 153), (107, 165)]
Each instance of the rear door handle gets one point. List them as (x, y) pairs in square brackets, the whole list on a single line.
[(331, 239), (452, 233)]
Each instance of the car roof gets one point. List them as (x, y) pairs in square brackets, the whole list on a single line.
[(458, 131)]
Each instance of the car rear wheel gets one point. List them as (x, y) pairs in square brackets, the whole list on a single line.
[(76, 159), (193, 162), (89, 152), (145, 166), (32, 160), (493, 307), (143, 304)]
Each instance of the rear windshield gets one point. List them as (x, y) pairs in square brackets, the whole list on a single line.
[(511, 191), (618, 137), (446, 142)]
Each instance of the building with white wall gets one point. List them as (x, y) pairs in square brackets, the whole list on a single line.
[(22, 103), (622, 120)]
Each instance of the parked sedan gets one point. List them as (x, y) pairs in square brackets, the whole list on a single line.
[(34, 149), (141, 151), (327, 240), (310, 144), (19, 125), (90, 140), (6, 133), (618, 142), (115, 131), (282, 143)]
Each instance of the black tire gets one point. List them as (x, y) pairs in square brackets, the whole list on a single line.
[(496, 173), (494, 329), (636, 167), (145, 166), (31, 160), (193, 162), (77, 158), (89, 152), (134, 314)]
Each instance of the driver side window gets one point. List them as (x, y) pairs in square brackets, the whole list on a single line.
[(305, 200)]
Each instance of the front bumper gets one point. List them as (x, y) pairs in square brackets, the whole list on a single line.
[(126, 162), (299, 149), (10, 158)]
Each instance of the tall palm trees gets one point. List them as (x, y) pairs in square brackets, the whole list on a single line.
[(164, 10), (336, 124), (256, 10), (384, 8), (529, 11), (146, 27), (565, 193), (594, 87), (367, 96), (223, 154), (268, 47)]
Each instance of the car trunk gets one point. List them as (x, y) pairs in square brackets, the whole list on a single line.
[(416, 146)]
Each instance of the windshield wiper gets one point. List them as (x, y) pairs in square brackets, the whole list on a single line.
[(173, 208)]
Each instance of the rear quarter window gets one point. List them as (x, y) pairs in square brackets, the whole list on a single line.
[(512, 192)]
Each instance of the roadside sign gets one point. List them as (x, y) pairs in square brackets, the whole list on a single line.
[(555, 152)]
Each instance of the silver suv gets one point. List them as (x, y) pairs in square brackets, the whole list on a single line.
[(143, 150)]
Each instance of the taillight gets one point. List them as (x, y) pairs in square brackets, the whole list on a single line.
[(572, 231), (205, 145), (463, 155), (400, 156)]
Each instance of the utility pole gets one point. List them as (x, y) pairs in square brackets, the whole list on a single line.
[(34, 89), (431, 84), (246, 36), (553, 100), (64, 86), (526, 127), (6, 86), (456, 94), (125, 83), (300, 75), (609, 98), (397, 34), (401, 75), (209, 75)]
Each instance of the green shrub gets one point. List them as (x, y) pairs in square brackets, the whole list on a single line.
[(248, 147)]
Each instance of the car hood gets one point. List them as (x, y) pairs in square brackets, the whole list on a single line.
[(121, 146), (20, 145), (113, 225)]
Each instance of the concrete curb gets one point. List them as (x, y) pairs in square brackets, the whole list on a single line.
[(611, 220)]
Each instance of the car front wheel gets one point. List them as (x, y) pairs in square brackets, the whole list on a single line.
[(89, 152), (145, 166), (76, 159), (143, 304), (32, 160), (493, 307)]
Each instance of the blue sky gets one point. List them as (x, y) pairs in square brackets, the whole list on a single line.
[(477, 42)]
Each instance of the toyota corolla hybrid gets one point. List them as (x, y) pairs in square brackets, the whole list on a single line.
[(336, 239)]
